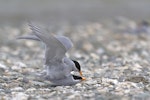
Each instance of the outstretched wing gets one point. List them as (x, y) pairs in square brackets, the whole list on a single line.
[(66, 42), (54, 48)]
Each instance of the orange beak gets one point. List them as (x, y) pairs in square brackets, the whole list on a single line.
[(83, 78), (80, 73)]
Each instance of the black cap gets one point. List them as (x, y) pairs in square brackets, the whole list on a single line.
[(77, 65)]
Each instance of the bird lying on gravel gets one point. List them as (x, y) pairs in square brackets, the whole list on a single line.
[(58, 67)]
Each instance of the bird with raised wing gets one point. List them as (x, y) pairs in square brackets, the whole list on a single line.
[(58, 66)]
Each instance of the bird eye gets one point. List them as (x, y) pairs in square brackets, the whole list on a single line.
[(77, 65)]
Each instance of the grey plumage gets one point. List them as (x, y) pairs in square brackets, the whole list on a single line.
[(58, 66)]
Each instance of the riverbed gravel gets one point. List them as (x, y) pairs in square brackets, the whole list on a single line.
[(114, 59)]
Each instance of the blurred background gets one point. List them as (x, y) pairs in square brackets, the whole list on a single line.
[(93, 20), (71, 11)]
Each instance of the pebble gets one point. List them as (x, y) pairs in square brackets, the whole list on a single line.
[(2, 68), (17, 89), (31, 90), (19, 96)]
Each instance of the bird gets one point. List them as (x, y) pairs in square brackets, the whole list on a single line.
[(58, 66)]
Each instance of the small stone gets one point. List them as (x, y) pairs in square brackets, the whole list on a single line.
[(94, 56), (20, 64), (77, 55), (147, 87), (100, 51), (75, 96), (87, 46), (2, 68), (136, 79), (19, 96), (31, 90), (37, 83), (25, 80), (90, 82), (2, 90), (29, 43), (17, 89)]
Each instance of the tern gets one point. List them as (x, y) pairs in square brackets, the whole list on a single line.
[(58, 66)]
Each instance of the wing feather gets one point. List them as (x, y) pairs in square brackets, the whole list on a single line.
[(30, 37), (54, 48)]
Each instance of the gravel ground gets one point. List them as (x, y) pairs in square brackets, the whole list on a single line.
[(114, 56)]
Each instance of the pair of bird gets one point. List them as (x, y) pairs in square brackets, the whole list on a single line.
[(58, 66)]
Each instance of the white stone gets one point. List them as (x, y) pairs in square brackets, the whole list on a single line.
[(19, 96)]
